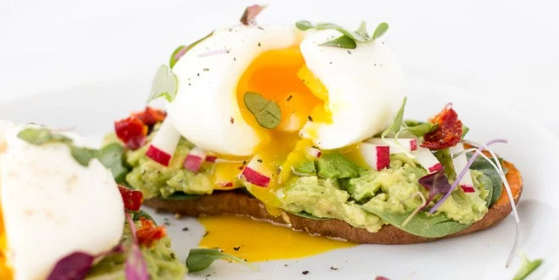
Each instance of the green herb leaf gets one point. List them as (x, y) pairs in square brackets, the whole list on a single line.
[(465, 131), (111, 156), (445, 158), (422, 129), (343, 42), (304, 25), (380, 30), (482, 165), (200, 259), (486, 182), (181, 50), (40, 136), (83, 155), (397, 124), (142, 214), (177, 54), (362, 30), (266, 112), (422, 224), (165, 84), (336, 166), (526, 267)]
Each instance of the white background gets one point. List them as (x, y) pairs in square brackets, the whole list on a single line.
[(507, 49)]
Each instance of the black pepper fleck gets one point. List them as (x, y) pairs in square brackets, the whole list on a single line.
[(310, 118), (259, 44), (259, 160), (208, 275), (348, 52), (198, 74), (173, 256), (289, 97), (285, 265), (244, 162), (206, 234), (185, 229), (330, 62), (234, 59), (232, 120), (236, 248), (333, 268), (206, 69), (305, 272), (260, 27), (167, 224)]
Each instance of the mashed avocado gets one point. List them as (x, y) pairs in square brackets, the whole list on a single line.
[(331, 187), (161, 262)]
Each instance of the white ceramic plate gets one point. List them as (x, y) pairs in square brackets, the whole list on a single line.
[(482, 255)]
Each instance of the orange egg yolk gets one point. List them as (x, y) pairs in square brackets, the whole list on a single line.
[(261, 241)]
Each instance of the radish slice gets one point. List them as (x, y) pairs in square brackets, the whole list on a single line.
[(211, 158), (256, 173), (397, 146), (314, 152), (426, 159), (164, 143), (194, 159), (376, 156), (460, 162)]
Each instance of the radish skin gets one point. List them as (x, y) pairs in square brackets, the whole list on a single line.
[(256, 173), (460, 162), (194, 159), (376, 156), (426, 159), (396, 146), (164, 143)]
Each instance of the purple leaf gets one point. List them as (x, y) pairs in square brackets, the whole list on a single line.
[(135, 267), (72, 267), (250, 14), (436, 183)]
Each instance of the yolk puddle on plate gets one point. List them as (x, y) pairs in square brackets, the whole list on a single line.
[(261, 241)]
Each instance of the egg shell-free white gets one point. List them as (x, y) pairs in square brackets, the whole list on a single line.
[(53, 206)]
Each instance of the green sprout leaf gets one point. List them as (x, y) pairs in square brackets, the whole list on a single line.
[(397, 124), (526, 267), (200, 259), (181, 50), (111, 156), (422, 129), (266, 112), (341, 42), (83, 155), (360, 35), (380, 30), (165, 84)]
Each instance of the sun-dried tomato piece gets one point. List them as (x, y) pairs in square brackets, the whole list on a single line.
[(132, 199), (447, 134), (150, 116), (132, 132), (149, 232)]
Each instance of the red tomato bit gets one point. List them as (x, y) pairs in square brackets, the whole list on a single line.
[(132, 132), (449, 132), (150, 116), (132, 199), (149, 232)]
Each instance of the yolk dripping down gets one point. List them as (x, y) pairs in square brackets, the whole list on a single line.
[(281, 76), (261, 241)]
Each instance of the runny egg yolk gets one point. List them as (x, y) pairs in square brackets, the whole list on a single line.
[(260, 241), (5, 270), (281, 76)]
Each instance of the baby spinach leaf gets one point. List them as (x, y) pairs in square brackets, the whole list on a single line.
[(111, 156), (183, 196), (423, 224), (486, 182), (397, 124), (341, 42), (266, 112), (200, 259), (164, 84), (83, 155), (526, 267), (421, 129), (336, 166), (482, 165)]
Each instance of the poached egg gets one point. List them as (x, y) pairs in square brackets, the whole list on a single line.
[(332, 96), (51, 206)]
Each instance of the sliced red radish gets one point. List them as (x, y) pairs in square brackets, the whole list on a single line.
[(314, 152), (403, 144), (460, 162), (194, 159), (256, 173), (426, 159), (211, 158), (164, 143), (376, 156)]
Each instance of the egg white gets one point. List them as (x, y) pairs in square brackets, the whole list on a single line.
[(206, 110), (365, 89), (53, 206)]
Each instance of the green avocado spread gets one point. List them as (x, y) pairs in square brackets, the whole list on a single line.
[(331, 187)]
